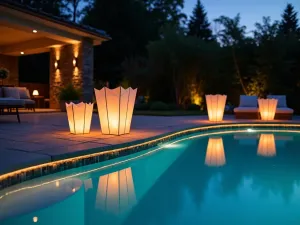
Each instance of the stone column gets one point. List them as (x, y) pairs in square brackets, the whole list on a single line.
[(80, 76)]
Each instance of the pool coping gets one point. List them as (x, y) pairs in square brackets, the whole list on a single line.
[(91, 156)]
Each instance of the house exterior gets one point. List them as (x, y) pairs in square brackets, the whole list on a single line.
[(25, 31)]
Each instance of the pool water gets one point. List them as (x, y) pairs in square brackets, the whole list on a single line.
[(236, 178)]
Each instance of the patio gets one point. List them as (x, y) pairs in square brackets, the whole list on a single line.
[(44, 137)]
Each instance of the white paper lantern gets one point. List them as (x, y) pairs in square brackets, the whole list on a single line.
[(80, 117), (215, 155), (267, 108), (267, 146), (115, 109), (215, 107)]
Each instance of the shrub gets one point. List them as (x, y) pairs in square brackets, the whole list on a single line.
[(141, 106), (69, 93), (193, 107), (173, 106), (159, 106)]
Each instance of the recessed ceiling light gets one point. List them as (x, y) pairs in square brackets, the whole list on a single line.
[(22, 53), (34, 31)]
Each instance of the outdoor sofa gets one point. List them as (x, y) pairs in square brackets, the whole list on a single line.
[(248, 108), (14, 98)]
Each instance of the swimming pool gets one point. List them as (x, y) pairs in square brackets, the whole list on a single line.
[(234, 177)]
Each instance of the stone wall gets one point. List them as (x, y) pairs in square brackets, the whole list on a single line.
[(12, 64), (80, 76)]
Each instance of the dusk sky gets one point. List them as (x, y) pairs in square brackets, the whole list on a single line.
[(251, 10)]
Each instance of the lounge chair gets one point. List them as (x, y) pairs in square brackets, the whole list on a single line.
[(19, 93), (248, 108), (282, 111)]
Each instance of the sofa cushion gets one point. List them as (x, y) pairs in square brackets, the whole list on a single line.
[(246, 110), (24, 93), (248, 101), (285, 110), (11, 92), (1, 94), (11, 101), (29, 101), (281, 100)]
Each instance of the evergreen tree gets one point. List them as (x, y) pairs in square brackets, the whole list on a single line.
[(289, 22), (198, 24)]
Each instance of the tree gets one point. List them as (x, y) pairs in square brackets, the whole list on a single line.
[(232, 34), (198, 24), (289, 22), (75, 8)]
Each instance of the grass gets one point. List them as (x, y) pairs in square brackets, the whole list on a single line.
[(168, 113)]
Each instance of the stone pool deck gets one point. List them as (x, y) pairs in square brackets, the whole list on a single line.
[(43, 137)]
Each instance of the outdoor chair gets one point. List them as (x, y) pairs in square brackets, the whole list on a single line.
[(248, 108), (282, 111)]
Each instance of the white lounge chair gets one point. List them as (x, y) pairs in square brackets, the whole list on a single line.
[(248, 108), (282, 111)]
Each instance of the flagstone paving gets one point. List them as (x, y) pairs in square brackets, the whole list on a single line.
[(42, 136)]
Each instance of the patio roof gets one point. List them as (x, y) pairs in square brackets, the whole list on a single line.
[(24, 29)]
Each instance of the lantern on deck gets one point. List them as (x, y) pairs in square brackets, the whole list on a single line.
[(80, 117), (215, 155), (115, 109), (267, 108), (267, 146), (215, 107)]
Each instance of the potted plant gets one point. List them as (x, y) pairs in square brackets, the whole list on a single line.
[(4, 74), (68, 94)]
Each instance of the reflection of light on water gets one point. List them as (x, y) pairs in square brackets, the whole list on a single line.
[(88, 184), (215, 155), (57, 183), (35, 219), (267, 146), (172, 145), (73, 190), (116, 192), (250, 130)]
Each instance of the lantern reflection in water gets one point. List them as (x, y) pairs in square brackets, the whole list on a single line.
[(215, 155), (116, 193), (267, 146)]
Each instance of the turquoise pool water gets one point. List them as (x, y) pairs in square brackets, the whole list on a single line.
[(235, 178)]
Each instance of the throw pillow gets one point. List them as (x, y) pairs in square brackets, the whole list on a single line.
[(11, 92)]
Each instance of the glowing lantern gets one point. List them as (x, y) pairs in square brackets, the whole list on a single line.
[(115, 193), (80, 117), (35, 93), (215, 155), (266, 146), (115, 109), (267, 108), (215, 107)]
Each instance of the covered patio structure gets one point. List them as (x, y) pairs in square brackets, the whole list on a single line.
[(25, 31)]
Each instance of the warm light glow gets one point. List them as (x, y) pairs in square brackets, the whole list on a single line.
[(267, 108), (215, 107), (73, 190), (250, 130), (215, 155), (116, 193), (56, 64), (80, 117), (35, 219), (57, 183), (267, 146), (115, 109), (34, 31), (75, 62), (22, 53), (35, 92)]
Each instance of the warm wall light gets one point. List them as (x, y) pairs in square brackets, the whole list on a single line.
[(267, 108), (115, 109), (267, 146), (80, 117), (116, 193), (22, 53), (34, 31), (215, 107), (75, 62), (215, 155), (35, 93), (56, 64)]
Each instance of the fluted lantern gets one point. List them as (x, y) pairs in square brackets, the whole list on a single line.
[(215, 155), (267, 146), (215, 107), (115, 109), (267, 108), (80, 117)]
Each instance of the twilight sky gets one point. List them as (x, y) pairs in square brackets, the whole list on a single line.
[(251, 10)]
